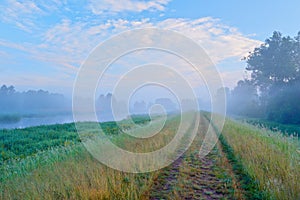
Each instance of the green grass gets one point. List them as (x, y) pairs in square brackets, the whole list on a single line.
[(248, 183), (286, 129), (71, 174), (268, 160), (20, 143), (49, 162), (68, 171)]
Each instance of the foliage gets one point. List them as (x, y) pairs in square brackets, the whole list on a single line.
[(243, 100), (275, 63), (288, 130), (283, 106), (9, 118), (274, 88), (31, 101)]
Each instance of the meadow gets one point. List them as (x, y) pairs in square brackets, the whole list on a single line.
[(248, 162)]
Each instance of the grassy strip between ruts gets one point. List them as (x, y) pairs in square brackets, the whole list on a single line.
[(192, 177), (248, 184)]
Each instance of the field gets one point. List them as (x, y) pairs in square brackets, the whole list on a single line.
[(49, 162), (286, 129)]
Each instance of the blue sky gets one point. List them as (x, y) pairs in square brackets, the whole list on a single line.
[(43, 43)]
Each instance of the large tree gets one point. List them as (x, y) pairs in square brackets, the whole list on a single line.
[(275, 72), (276, 62)]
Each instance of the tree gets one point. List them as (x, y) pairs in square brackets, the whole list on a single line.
[(31, 101), (275, 63), (275, 72), (243, 100), (6, 91), (284, 105)]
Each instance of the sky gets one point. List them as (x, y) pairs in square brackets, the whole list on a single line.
[(44, 43)]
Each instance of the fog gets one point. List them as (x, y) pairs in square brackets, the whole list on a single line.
[(32, 108), (40, 107), (279, 103), (32, 102)]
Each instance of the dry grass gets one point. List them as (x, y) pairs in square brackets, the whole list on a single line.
[(271, 159), (77, 175), (192, 177)]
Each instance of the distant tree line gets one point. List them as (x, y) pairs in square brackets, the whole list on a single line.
[(30, 101), (141, 107), (273, 90)]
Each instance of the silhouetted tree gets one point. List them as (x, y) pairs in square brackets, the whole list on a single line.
[(275, 75), (31, 101), (275, 63)]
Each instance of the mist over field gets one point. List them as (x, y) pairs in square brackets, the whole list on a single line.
[(33, 108), (149, 100)]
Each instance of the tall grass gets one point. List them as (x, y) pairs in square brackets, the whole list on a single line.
[(271, 159), (77, 177), (70, 172)]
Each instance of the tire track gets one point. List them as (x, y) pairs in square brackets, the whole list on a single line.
[(192, 177)]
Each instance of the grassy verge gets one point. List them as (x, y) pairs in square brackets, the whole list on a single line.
[(266, 165), (69, 172), (77, 176), (250, 187), (264, 159)]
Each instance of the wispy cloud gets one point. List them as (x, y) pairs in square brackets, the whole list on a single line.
[(68, 43), (115, 6), (64, 43), (12, 45), (21, 14), (76, 40), (220, 41), (27, 15)]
